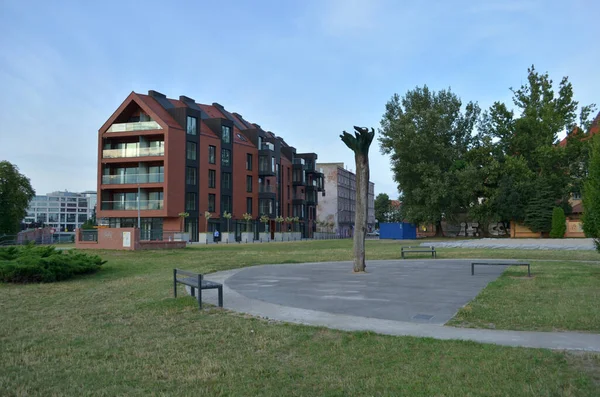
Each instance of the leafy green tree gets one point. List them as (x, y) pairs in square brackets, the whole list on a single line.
[(360, 144), (559, 223), (382, 207), (535, 174), (428, 135), (15, 194), (591, 194)]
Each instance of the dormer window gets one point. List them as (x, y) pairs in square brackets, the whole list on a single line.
[(226, 134), (192, 128)]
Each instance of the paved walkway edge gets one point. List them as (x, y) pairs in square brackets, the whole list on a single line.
[(548, 340)]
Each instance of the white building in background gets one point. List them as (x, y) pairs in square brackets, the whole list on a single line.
[(62, 211), (339, 203)]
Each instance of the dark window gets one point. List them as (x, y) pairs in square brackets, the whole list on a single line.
[(289, 212), (225, 157), (226, 134), (190, 201), (226, 180), (226, 203), (249, 162), (191, 176), (191, 125), (212, 179), (191, 151), (212, 150), (249, 205), (249, 183), (211, 202)]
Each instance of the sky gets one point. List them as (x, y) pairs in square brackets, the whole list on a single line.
[(305, 70)]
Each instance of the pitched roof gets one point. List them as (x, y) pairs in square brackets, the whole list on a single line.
[(594, 129)]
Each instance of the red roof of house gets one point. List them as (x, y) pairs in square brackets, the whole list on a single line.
[(594, 129)]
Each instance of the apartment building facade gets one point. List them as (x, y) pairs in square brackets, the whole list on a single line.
[(62, 211), (160, 159), (338, 206)]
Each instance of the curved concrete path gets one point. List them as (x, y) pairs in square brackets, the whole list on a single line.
[(584, 244), (287, 293)]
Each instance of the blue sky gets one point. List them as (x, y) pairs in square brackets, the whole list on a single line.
[(305, 70)]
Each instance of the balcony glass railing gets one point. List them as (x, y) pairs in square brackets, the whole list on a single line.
[(132, 205), (299, 161), (297, 196), (267, 146), (133, 178), (266, 189), (135, 152), (265, 169), (137, 126)]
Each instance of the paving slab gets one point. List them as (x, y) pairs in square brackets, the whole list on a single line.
[(341, 317)]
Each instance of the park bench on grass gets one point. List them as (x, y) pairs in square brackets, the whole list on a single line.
[(431, 250), (196, 282), (500, 264)]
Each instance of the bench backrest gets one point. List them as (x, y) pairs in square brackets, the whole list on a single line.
[(177, 272)]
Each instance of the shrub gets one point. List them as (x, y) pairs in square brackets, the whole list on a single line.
[(31, 264), (559, 220)]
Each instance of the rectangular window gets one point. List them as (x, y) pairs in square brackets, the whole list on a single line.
[(191, 176), (190, 201), (225, 157), (226, 134), (226, 180), (212, 150), (249, 205), (191, 151), (249, 162), (211, 202), (226, 203), (191, 125), (212, 179), (249, 184)]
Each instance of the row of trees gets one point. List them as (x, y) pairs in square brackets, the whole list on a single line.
[(497, 165)]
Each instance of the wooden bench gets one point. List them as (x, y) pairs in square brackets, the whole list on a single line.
[(500, 264), (196, 282), (431, 250)]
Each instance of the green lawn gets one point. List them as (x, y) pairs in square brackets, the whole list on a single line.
[(560, 296), (119, 332)]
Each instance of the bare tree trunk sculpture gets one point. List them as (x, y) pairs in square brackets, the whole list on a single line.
[(360, 143)]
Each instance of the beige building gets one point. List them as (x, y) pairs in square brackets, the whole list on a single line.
[(338, 205)]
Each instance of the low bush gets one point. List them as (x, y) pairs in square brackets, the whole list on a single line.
[(31, 264)]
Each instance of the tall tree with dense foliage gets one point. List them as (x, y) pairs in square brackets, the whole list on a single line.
[(535, 174), (382, 207), (360, 144), (591, 194), (15, 194), (428, 135)]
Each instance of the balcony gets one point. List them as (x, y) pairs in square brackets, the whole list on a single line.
[(311, 198), (132, 205), (135, 152), (298, 180), (267, 191), (132, 179), (298, 164), (298, 199), (266, 149), (265, 169), (137, 126)]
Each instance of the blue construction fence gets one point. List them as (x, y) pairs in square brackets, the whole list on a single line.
[(398, 231)]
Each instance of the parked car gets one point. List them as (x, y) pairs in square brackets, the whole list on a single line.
[(374, 233)]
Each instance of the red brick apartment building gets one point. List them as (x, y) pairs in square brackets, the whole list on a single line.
[(160, 157)]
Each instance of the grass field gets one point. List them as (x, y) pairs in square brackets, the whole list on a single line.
[(119, 332)]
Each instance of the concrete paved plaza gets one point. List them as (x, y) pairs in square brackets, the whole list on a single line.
[(422, 291), (396, 297)]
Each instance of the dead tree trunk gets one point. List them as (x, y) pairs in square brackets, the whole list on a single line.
[(360, 218), (360, 143)]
